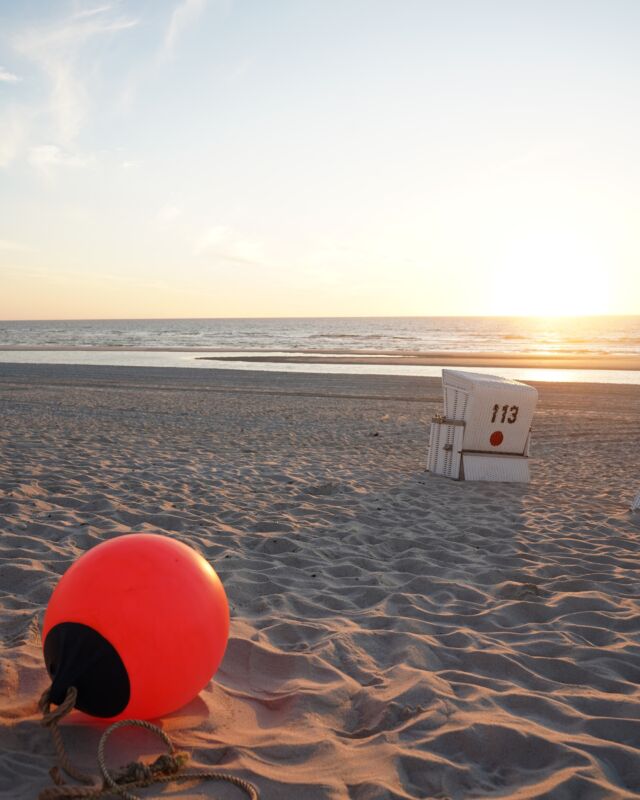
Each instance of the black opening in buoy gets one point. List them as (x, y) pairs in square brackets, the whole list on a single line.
[(77, 655)]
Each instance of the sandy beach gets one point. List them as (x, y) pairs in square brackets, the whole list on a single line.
[(394, 634)]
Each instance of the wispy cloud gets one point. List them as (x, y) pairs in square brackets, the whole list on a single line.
[(48, 157), (225, 244), (15, 124), (184, 16), (8, 77), (91, 12), (58, 50)]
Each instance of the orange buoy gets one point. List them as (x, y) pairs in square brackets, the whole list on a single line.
[(139, 625)]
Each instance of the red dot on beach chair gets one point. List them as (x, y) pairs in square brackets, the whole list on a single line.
[(496, 438)]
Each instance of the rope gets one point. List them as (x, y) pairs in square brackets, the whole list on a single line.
[(50, 719), (165, 769)]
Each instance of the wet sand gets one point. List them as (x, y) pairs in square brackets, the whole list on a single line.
[(456, 360)]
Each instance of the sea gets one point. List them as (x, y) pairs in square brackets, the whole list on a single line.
[(183, 342)]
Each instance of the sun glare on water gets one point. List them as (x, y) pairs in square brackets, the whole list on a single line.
[(550, 276)]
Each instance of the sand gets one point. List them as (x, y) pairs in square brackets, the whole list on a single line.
[(455, 360), (394, 634)]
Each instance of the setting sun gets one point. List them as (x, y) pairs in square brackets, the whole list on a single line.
[(302, 174)]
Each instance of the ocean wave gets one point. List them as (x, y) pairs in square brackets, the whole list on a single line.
[(361, 336), (461, 335), (344, 336)]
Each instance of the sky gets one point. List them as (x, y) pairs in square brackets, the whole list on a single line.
[(239, 158)]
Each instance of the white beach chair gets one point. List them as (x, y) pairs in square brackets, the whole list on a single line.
[(485, 432), (635, 505)]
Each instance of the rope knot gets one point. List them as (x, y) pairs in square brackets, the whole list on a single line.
[(140, 773), (135, 772), (164, 769), (169, 763)]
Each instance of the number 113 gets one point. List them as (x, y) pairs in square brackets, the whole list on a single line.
[(513, 413)]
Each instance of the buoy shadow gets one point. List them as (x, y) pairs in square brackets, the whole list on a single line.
[(81, 735)]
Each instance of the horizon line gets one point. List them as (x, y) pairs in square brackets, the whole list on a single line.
[(321, 316)]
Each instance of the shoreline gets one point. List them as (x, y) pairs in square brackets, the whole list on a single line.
[(181, 363), (454, 358)]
